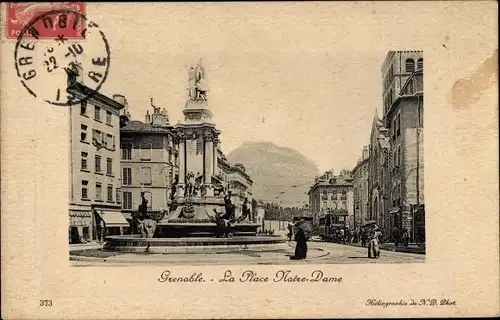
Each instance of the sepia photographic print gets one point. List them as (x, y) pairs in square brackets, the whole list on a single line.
[(240, 151), (163, 190)]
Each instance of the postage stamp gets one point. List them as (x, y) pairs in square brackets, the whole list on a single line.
[(45, 65), (19, 15)]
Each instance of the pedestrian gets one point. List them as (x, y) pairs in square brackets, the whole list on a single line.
[(396, 236), (364, 237), (290, 231), (102, 230), (406, 238), (373, 246), (301, 246), (342, 236)]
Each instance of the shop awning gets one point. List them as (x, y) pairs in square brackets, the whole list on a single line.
[(127, 215), (394, 210), (113, 219)]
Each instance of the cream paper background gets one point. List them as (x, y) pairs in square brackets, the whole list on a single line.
[(461, 180)]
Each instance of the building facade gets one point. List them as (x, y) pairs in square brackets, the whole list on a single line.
[(404, 120), (149, 161), (378, 171), (240, 185), (235, 179), (361, 194), (396, 69), (95, 166), (332, 194)]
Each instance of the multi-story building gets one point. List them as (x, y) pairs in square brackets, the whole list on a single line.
[(240, 185), (397, 67), (404, 119), (361, 194), (235, 179), (149, 161), (95, 165), (378, 171), (332, 194)]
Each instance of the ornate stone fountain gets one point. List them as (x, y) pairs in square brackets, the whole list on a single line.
[(197, 217)]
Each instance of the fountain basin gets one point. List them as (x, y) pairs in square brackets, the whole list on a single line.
[(136, 244), (178, 229)]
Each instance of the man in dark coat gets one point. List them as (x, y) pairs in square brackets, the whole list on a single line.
[(395, 236), (301, 247)]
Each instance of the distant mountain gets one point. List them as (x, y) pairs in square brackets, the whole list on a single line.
[(278, 172)]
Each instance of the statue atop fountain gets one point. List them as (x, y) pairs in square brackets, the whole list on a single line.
[(197, 83)]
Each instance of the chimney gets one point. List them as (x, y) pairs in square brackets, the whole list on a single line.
[(147, 118), (365, 153), (120, 98), (159, 117), (75, 73)]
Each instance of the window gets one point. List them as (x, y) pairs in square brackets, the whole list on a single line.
[(109, 141), (118, 195), (324, 191), (399, 156), (110, 193), (114, 142), (97, 136), (84, 161), (410, 65), (97, 113), (98, 191), (83, 108), (108, 117), (85, 189), (109, 166), (97, 163), (127, 177), (399, 125), (83, 134), (146, 175), (344, 205), (127, 151), (146, 150), (394, 129), (420, 63), (127, 200)]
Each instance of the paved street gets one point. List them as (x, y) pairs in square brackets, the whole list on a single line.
[(319, 252)]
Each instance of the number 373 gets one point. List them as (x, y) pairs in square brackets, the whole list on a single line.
[(45, 303)]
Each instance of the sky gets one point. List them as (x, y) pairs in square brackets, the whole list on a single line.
[(308, 81)]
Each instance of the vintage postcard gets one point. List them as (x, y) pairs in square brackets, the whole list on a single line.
[(249, 160)]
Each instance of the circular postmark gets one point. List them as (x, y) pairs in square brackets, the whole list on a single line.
[(50, 68)]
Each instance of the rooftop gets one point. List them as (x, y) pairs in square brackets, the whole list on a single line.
[(333, 181), (139, 126)]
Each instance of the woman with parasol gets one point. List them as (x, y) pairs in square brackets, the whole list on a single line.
[(303, 229), (373, 238)]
